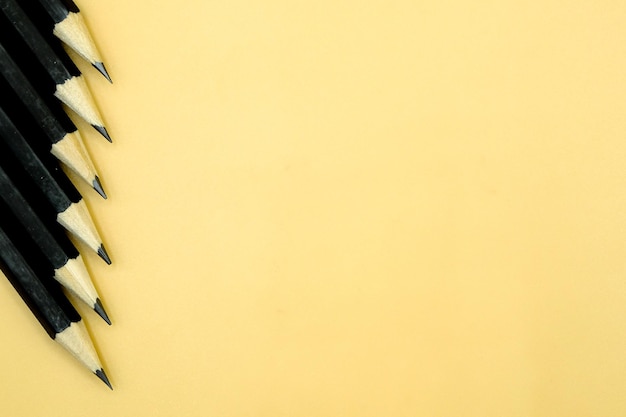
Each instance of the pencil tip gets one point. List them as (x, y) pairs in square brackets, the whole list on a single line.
[(100, 67), (102, 130), (97, 185), (100, 310), (103, 254), (100, 374)]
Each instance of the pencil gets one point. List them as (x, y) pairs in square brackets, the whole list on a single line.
[(66, 22), (40, 177), (20, 35), (49, 305), (69, 268), (65, 143)]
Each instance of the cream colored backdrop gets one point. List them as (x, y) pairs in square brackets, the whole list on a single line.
[(348, 208)]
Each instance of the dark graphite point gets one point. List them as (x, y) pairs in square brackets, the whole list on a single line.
[(103, 254), (100, 310), (97, 185), (100, 67), (100, 374), (102, 130)]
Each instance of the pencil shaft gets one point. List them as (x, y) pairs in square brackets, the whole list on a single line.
[(42, 171), (26, 216), (14, 209), (44, 298), (24, 89)]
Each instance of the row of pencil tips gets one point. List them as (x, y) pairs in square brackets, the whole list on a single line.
[(40, 207)]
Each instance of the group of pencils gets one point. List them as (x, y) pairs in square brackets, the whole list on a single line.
[(41, 210)]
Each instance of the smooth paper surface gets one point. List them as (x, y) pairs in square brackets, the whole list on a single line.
[(322, 208)]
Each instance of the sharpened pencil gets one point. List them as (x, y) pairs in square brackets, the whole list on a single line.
[(41, 180), (19, 34), (66, 145), (69, 268), (49, 305), (67, 23)]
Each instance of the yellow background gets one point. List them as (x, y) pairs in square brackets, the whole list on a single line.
[(322, 208)]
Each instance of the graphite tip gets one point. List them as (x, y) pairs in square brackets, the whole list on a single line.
[(100, 310), (103, 254), (100, 374), (102, 130), (100, 67), (97, 185)]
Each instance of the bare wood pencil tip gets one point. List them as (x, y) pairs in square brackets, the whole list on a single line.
[(97, 185), (101, 312), (103, 131), (100, 374), (102, 69), (104, 255)]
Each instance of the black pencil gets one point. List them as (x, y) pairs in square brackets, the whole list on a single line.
[(66, 145), (66, 203), (64, 258), (66, 22), (48, 303), (19, 33)]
